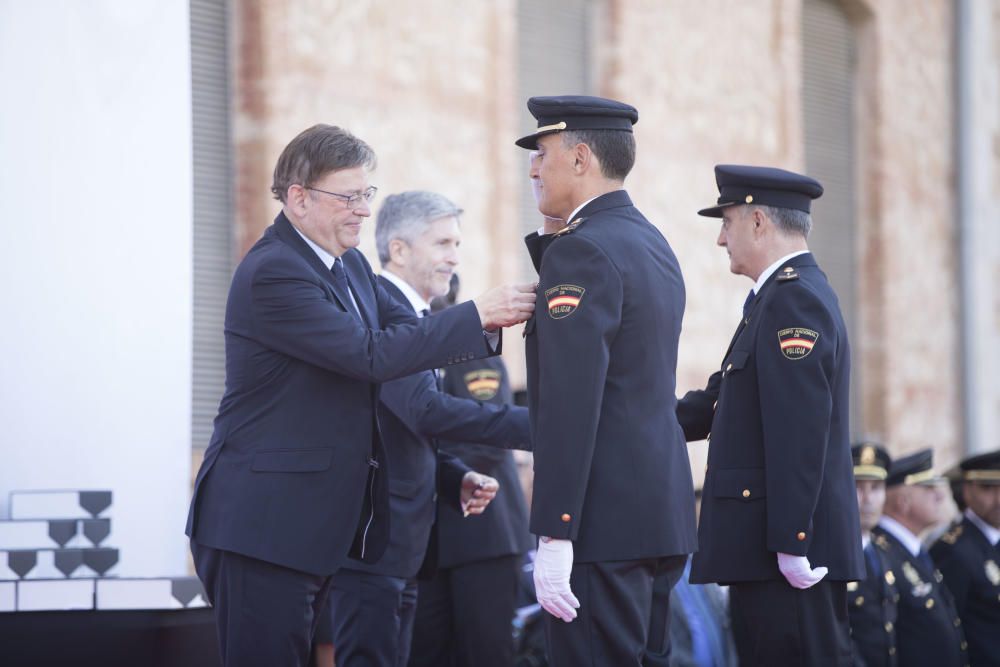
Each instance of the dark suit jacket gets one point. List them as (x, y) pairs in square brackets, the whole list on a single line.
[(611, 467), (971, 569), (780, 477), (289, 476), (412, 413), (928, 633), (501, 530)]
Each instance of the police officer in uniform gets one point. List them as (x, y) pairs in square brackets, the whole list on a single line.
[(871, 602), (779, 496), (613, 502), (928, 628), (969, 558)]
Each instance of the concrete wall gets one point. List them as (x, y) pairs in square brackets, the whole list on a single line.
[(95, 374)]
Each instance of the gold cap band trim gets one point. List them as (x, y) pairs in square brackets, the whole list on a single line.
[(874, 472), (919, 477), (561, 125), (988, 475)]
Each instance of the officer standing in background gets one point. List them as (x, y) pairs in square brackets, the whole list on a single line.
[(779, 497), (969, 558), (477, 560), (613, 502), (871, 602), (928, 631)]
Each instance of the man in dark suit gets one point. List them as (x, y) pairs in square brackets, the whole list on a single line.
[(477, 560), (968, 556), (294, 479), (928, 632), (779, 495), (871, 602), (372, 606), (613, 502)]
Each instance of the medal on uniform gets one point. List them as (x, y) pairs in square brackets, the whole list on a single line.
[(993, 572)]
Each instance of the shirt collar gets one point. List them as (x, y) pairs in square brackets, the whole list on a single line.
[(992, 534), (774, 267), (866, 539), (416, 301), (324, 256), (901, 533)]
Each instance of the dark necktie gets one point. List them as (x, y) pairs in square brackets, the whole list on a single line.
[(748, 304), (340, 278), (924, 559)]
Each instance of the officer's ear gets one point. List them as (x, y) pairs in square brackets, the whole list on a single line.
[(583, 158), (759, 222)]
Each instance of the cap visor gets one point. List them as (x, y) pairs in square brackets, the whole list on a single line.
[(531, 141), (715, 211)]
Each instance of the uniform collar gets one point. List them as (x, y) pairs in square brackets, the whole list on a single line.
[(901, 533), (992, 534), (416, 301), (774, 267), (572, 216)]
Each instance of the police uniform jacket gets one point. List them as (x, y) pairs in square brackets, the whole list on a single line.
[(611, 467), (295, 473), (969, 564), (780, 475), (928, 630), (871, 608), (502, 529), (413, 413)]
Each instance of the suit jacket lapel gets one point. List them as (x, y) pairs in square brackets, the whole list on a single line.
[(287, 233)]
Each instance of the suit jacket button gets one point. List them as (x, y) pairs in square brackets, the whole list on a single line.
[(565, 518), (801, 537), (746, 493)]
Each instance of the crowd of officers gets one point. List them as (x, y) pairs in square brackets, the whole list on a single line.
[(928, 598)]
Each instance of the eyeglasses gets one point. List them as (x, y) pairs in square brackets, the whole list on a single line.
[(353, 201)]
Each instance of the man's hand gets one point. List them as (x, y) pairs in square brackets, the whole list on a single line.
[(506, 305), (553, 565), (798, 572), (477, 492)]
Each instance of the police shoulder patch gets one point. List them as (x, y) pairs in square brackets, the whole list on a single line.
[(797, 342), (483, 384), (563, 300)]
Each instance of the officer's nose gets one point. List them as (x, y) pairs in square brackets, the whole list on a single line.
[(722, 237)]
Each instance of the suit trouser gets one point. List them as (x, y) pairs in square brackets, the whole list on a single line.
[(371, 618), (464, 615), (624, 614), (776, 625), (265, 614)]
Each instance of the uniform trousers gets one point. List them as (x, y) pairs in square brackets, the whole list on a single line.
[(265, 614), (775, 624), (624, 614), (372, 619), (464, 615)]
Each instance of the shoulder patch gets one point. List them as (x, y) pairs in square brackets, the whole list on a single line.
[(563, 300), (568, 229), (786, 274), (797, 342), (483, 384)]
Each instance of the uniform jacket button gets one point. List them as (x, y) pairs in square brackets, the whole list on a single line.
[(888, 626), (746, 493), (801, 537), (565, 518), (929, 603)]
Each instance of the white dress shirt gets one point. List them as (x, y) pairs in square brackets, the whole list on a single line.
[(901, 533)]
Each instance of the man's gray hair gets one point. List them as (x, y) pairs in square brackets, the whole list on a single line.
[(789, 220), (406, 215)]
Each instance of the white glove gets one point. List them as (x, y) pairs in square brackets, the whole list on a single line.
[(553, 565), (798, 572)]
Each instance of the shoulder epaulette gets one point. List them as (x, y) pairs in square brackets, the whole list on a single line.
[(882, 542), (786, 274), (952, 535), (568, 229)]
